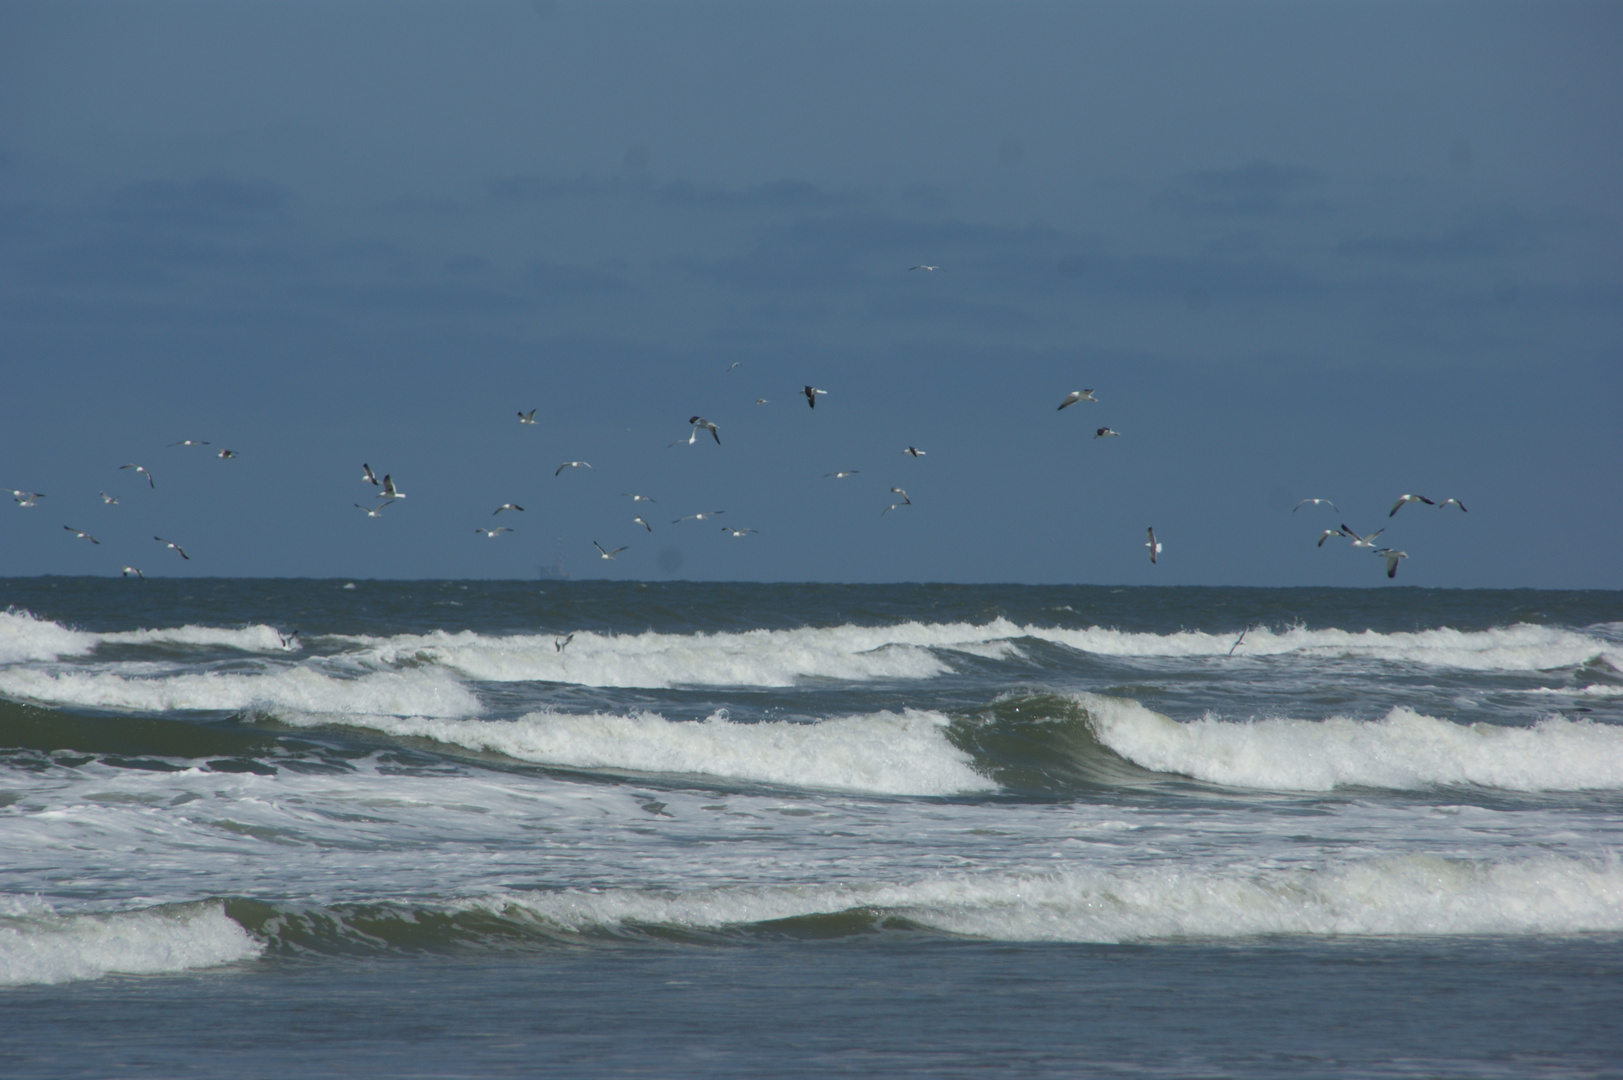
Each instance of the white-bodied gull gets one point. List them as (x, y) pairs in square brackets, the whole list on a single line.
[(141, 469), (171, 544), (606, 553), (1315, 502), (1154, 545), (1077, 395), (81, 534), (1404, 500)]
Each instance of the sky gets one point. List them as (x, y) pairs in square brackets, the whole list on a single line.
[(1329, 250)]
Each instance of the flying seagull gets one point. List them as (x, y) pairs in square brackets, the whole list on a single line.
[(1104, 432), (190, 442), (560, 643), (492, 532), (1404, 499), (921, 266), (903, 494), (573, 465), (638, 498), (738, 532), (141, 469), (128, 570), (1456, 502), (507, 506), (289, 640), (639, 520), (1391, 558), (811, 393), (1236, 644), (368, 475), (1315, 502), (732, 365), (700, 422), (527, 417), (843, 473), (913, 451), (373, 511), (1361, 541), (81, 535), (1077, 395), (110, 500), (172, 544), (607, 554), (1328, 533), (1154, 545), (224, 455), (698, 517), (26, 498), (892, 506), (762, 401), (388, 488)]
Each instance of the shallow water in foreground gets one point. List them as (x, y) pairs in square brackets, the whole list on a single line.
[(572, 828)]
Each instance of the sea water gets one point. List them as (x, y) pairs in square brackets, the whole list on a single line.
[(686, 829)]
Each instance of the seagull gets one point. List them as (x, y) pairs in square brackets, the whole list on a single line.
[(26, 498), (290, 640), (372, 511), (190, 442), (225, 455), (1456, 502), (1077, 395), (507, 506), (110, 500), (1391, 558), (893, 506), (1104, 432), (1402, 499), (699, 517), (921, 266), (128, 570), (762, 401), (368, 475), (700, 422), (573, 465), (638, 498), (811, 393), (903, 494), (81, 535), (527, 417), (1236, 644), (492, 532), (1315, 502), (1154, 545), (607, 554), (843, 473), (738, 532), (388, 488), (639, 520), (914, 451), (1361, 541), (1327, 534), (732, 365), (560, 643), (172, 544), (141, 469)]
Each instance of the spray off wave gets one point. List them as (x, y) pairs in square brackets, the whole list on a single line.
[(1402, 751)]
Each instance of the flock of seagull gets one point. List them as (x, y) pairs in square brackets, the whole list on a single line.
[(388, 494)]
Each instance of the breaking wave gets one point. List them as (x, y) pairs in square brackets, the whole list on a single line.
[(39, 945)]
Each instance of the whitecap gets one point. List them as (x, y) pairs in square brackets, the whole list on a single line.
[(39, 945)]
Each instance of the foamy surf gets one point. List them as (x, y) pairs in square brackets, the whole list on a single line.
[(1404, 750), (1399, 896), (882, 753), (38, 945), (25, 637), (422, 692)]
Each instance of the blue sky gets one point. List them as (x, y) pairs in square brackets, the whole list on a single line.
[(1335, 250)]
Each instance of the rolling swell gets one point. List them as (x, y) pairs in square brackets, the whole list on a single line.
[(33, 727)]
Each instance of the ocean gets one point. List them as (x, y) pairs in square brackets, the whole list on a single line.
[(264, 828)]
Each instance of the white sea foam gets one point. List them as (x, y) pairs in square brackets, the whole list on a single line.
[(256, 638), (407, 693), (751, 658), (37, 945), (882, 753), (911, 651), (1404, 895), (1402, 750), (24, 637)]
